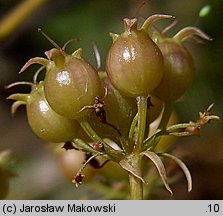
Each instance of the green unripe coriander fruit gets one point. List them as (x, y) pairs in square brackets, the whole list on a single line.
[(134, 62), (43, 120), (179, 66)]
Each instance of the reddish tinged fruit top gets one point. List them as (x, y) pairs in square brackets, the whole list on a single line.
[(178, 63), (134, 62), (70, 83), (76, 83)]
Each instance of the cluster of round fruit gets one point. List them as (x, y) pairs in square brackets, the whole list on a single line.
[(137, 65), (75, 100)]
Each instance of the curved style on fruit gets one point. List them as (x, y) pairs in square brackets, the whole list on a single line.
[(178, 64), (70, 82), (134, 62), (44, 121)]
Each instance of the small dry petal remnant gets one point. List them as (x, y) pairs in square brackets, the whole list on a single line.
[(78, 179), (203, 119), (98, 145)]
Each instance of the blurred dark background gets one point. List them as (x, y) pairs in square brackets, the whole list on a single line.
[(38, 174)]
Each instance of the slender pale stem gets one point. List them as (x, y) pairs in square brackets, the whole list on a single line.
[(142, 111), (176, 127), (85, 146), (136, 185), (153, 140), (132, 128), (114, 154), (86, 163)]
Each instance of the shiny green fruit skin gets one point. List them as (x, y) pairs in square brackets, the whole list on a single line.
[(45, 122), (134, 63), (179, 71), (70, 86), (120, 111)]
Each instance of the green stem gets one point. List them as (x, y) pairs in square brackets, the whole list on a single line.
[(85, 146), (136, 185), (86, 163), (132, 129), (176, 127), (153, 140), (142, 111), (114, 154)]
